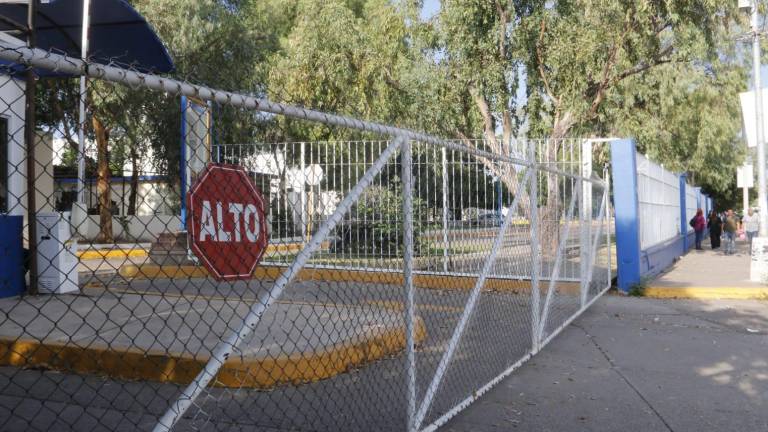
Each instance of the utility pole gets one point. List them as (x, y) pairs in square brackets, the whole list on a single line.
[(759, 262), (762, 200)]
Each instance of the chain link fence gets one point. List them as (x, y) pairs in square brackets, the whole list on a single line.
[(271, 267)]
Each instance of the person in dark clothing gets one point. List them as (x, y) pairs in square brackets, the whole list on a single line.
[(699, 224), (715, 225)]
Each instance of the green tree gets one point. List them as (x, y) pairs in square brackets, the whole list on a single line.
[(575, 57)]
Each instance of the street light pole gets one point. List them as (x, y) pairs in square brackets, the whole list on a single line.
[(761, 181), (759, 262)]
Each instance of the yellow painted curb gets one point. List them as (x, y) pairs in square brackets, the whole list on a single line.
[(706, 293), (429, 281), (111, 253), (91, 254), (261, 373)]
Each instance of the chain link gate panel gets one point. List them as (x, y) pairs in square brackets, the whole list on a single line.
[(404, 274)]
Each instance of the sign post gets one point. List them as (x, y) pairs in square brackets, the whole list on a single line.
[(745, 179), (226, 222)]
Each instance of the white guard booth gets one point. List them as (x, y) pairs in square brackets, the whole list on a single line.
[(56, 254)]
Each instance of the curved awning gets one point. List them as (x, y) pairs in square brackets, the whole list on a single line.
[(118, 33)]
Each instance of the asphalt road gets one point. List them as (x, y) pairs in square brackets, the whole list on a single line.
[(372, 397), (369, 398)]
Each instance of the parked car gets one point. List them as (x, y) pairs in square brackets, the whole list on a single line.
[(486, 220)]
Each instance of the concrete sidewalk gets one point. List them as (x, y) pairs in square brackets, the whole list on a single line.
[(635, 364), (708, 273)]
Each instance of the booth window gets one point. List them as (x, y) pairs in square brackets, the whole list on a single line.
[(3, 165)]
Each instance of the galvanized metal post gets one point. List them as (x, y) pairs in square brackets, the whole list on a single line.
[(407, 178), (303, 194), (445, 209), (81, 110), (585, 219), (535, 256)]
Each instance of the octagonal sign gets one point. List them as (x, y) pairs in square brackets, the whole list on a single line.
[(226, 222)]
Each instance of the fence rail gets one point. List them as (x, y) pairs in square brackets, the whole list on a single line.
[(404, 274)]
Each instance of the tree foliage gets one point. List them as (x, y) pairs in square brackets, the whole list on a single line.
[(665, 73)]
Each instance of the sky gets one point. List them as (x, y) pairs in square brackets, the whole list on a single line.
[(431, 7)]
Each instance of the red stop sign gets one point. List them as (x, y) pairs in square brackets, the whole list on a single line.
[(226, 222)]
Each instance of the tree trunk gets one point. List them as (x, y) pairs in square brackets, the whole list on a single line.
[(134, 182), (103, 186), (555, 203)]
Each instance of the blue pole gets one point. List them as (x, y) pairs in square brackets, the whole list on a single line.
[(626, 209), (683, 214), (183, 164)]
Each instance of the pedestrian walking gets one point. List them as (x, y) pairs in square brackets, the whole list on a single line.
[(715, 225), (730, 226), (751, 224), (699, 224)]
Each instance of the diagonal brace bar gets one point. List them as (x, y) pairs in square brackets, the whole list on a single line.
[(226, 347), (558, 261), (593, 250), (468, 309)]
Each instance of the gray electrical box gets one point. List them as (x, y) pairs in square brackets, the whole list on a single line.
[(56, 254)]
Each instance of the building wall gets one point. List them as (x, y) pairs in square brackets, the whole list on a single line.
[(140, 228), (12, 102), (154, 196)]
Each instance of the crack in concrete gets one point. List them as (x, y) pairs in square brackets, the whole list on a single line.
[(722, 326), (626, 380)]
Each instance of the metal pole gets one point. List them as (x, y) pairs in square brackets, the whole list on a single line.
[(445, 209), (535, 259), (81, 112), (29, 137), (585, 220), (761, 181), (303, 194), (407, 175)]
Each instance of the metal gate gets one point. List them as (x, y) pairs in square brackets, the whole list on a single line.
[(405, 274)]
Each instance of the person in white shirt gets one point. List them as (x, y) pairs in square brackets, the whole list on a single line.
[(751, 224)]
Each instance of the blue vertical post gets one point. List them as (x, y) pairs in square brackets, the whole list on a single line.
[(183, 164), (683, 213), (626, 210)]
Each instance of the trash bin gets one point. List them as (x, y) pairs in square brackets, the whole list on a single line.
[(11, 255)]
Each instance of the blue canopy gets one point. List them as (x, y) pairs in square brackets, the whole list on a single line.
[(118, 34)]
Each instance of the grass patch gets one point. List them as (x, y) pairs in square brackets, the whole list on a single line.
[(638, 289)]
